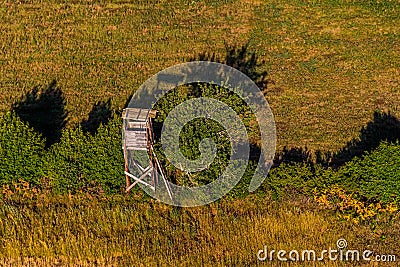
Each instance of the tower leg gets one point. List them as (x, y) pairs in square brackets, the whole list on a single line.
[(128, 179)]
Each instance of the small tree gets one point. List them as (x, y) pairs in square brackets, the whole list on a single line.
[(21, 149)]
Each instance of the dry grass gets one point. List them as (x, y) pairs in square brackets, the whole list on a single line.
[(126, 231)]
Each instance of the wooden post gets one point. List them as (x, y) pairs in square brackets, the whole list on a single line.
[(127, 178)]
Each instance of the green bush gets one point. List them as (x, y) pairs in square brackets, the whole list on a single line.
[(106, 164), (65, 161), (198, 129), (95, 162), (21, 149), (85, 162), (288, 177), (375, 175)]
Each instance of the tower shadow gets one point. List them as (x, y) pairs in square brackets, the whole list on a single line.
[(44, 110)]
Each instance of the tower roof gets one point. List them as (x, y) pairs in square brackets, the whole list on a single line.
[(139, 114)]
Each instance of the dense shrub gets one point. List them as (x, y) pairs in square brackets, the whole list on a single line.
[(82, 161), (65, 160), (198, 129), (21, 149), (375, 175), (107, 163), (288, 177)]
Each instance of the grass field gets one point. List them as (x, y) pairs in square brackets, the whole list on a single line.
[(132, 231), (330, 64)]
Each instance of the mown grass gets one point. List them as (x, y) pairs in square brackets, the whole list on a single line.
[(89, 230), (332, 63)]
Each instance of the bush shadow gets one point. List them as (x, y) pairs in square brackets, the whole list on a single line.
[(383, 127), (294, 155), (44, 110), (100, 113), (247, 62), (241, 59)]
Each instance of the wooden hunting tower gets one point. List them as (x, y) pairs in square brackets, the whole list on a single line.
[(137, 140)]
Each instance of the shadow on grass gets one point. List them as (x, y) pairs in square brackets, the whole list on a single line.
[(44, 110), (101, 113), (241, 59), (247, 62), (293, 155), (383, 127)]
